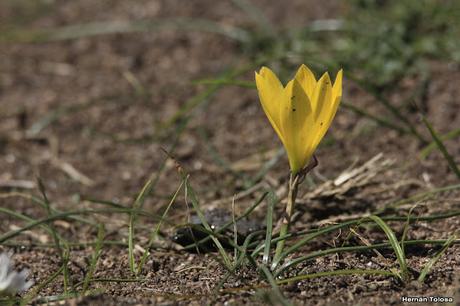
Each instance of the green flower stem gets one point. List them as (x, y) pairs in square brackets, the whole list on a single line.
[(292, 194)]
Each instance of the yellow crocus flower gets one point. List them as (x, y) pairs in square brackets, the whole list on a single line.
[(301, 112)]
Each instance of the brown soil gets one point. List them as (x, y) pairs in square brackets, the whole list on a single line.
[(109, 138)]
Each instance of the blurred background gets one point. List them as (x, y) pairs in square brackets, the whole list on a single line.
[(90, 91)]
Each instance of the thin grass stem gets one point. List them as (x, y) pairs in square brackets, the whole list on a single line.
[(292, 194)]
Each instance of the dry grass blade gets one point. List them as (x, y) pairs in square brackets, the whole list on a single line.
[(17, 184), (350, 179), (72, 172)]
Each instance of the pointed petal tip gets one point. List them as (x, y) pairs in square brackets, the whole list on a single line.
[(306, 68), (264, 70), (258, 77), (303, 67), (326, 75), (290, 85), (339, 74), (326, 79), (337, 88)]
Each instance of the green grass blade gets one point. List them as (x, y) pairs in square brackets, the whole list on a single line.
[(432, 146), (63, 298), (220, 160), (345, 272), (401, 257), (242, 255), (78, 245), (380, 120), (65, 216), (63, 253), (76, 31), (429, 265), (223, 81), (94, 259), (418, 197), (203, 96), (361, 112), (132, 220), (36, 290), (268, 165), (442, 148), (190, 193), (269, 224), (257, 15), (154, 234), (312, 236), (115, 280), (364, 84), (24, 218), (276, 290), (226, 225), (360, 248), (235, 233), (407, 225), (37, 200), (65, 110)]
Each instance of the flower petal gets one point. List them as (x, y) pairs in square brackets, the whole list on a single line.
[(296, 117), (270, 92), (322, 94), (329, 110), (5, 264), (307, 79), (5, 282), (11, 281), (337, 89)]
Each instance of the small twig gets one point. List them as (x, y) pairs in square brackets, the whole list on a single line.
[(18, 184), (72, 172)]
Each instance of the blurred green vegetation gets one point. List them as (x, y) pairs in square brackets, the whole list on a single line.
[(381, 41), (388, 40), (24, 11), (378, 43)]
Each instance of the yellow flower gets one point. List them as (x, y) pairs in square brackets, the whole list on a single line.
[(301, 112)]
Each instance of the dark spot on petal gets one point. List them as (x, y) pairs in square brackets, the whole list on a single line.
[(292, 97), (321, 123), (293, 109)]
